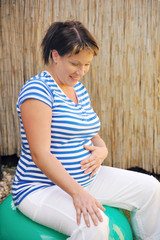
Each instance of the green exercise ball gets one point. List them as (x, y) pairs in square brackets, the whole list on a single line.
[(119, 227), (15, 226)]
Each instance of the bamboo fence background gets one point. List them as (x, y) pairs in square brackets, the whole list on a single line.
[(123, 82)]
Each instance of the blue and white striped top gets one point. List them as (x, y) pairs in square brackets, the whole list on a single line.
[(72, 126)]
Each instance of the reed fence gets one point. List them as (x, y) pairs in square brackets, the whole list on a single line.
[(123, 82)]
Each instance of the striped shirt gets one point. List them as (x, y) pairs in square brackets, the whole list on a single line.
[(72, 126)]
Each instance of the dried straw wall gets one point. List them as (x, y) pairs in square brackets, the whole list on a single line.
[(123, 82)]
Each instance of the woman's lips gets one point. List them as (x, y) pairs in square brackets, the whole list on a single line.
[(75, 78)]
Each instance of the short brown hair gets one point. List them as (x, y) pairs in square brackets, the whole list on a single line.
[(67, 37)]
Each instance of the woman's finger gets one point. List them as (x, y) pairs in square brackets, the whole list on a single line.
[(95, 213), (89, 148), (93, 172), (90, 169), (93, 216), (88, 160), (86, 217), (78, 212), (88, 165), (98, 214), (100, 206)]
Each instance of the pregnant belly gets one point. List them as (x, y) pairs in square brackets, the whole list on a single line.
[(71, 155)]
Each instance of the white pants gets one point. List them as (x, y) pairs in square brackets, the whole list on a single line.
[(136, 192)]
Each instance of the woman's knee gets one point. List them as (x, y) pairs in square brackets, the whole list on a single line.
[(153, 186), (100, 232), (151, 190)]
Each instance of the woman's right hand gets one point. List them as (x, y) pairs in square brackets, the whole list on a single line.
[(87, 205)]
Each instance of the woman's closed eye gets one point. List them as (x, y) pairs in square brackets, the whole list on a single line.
[(75, 64)]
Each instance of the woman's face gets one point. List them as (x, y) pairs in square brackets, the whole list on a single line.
[(69, 69)]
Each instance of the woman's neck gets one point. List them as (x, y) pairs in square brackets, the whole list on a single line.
[(68, 90)]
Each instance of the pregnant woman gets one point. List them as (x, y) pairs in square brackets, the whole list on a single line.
[(59, 181)]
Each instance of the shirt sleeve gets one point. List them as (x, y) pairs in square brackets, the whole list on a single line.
[(36, 89)]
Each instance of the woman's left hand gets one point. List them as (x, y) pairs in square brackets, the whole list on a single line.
[(94, 161)]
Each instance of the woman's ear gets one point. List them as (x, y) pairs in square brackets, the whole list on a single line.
[(55, 56)]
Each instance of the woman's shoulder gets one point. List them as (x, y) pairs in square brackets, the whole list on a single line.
[(38, 82), (40, 79), (38, 88)]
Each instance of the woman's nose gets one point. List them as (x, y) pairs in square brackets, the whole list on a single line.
[(81, 71)]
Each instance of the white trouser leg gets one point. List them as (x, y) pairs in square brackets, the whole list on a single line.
[(54, 208), (133, 191)]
